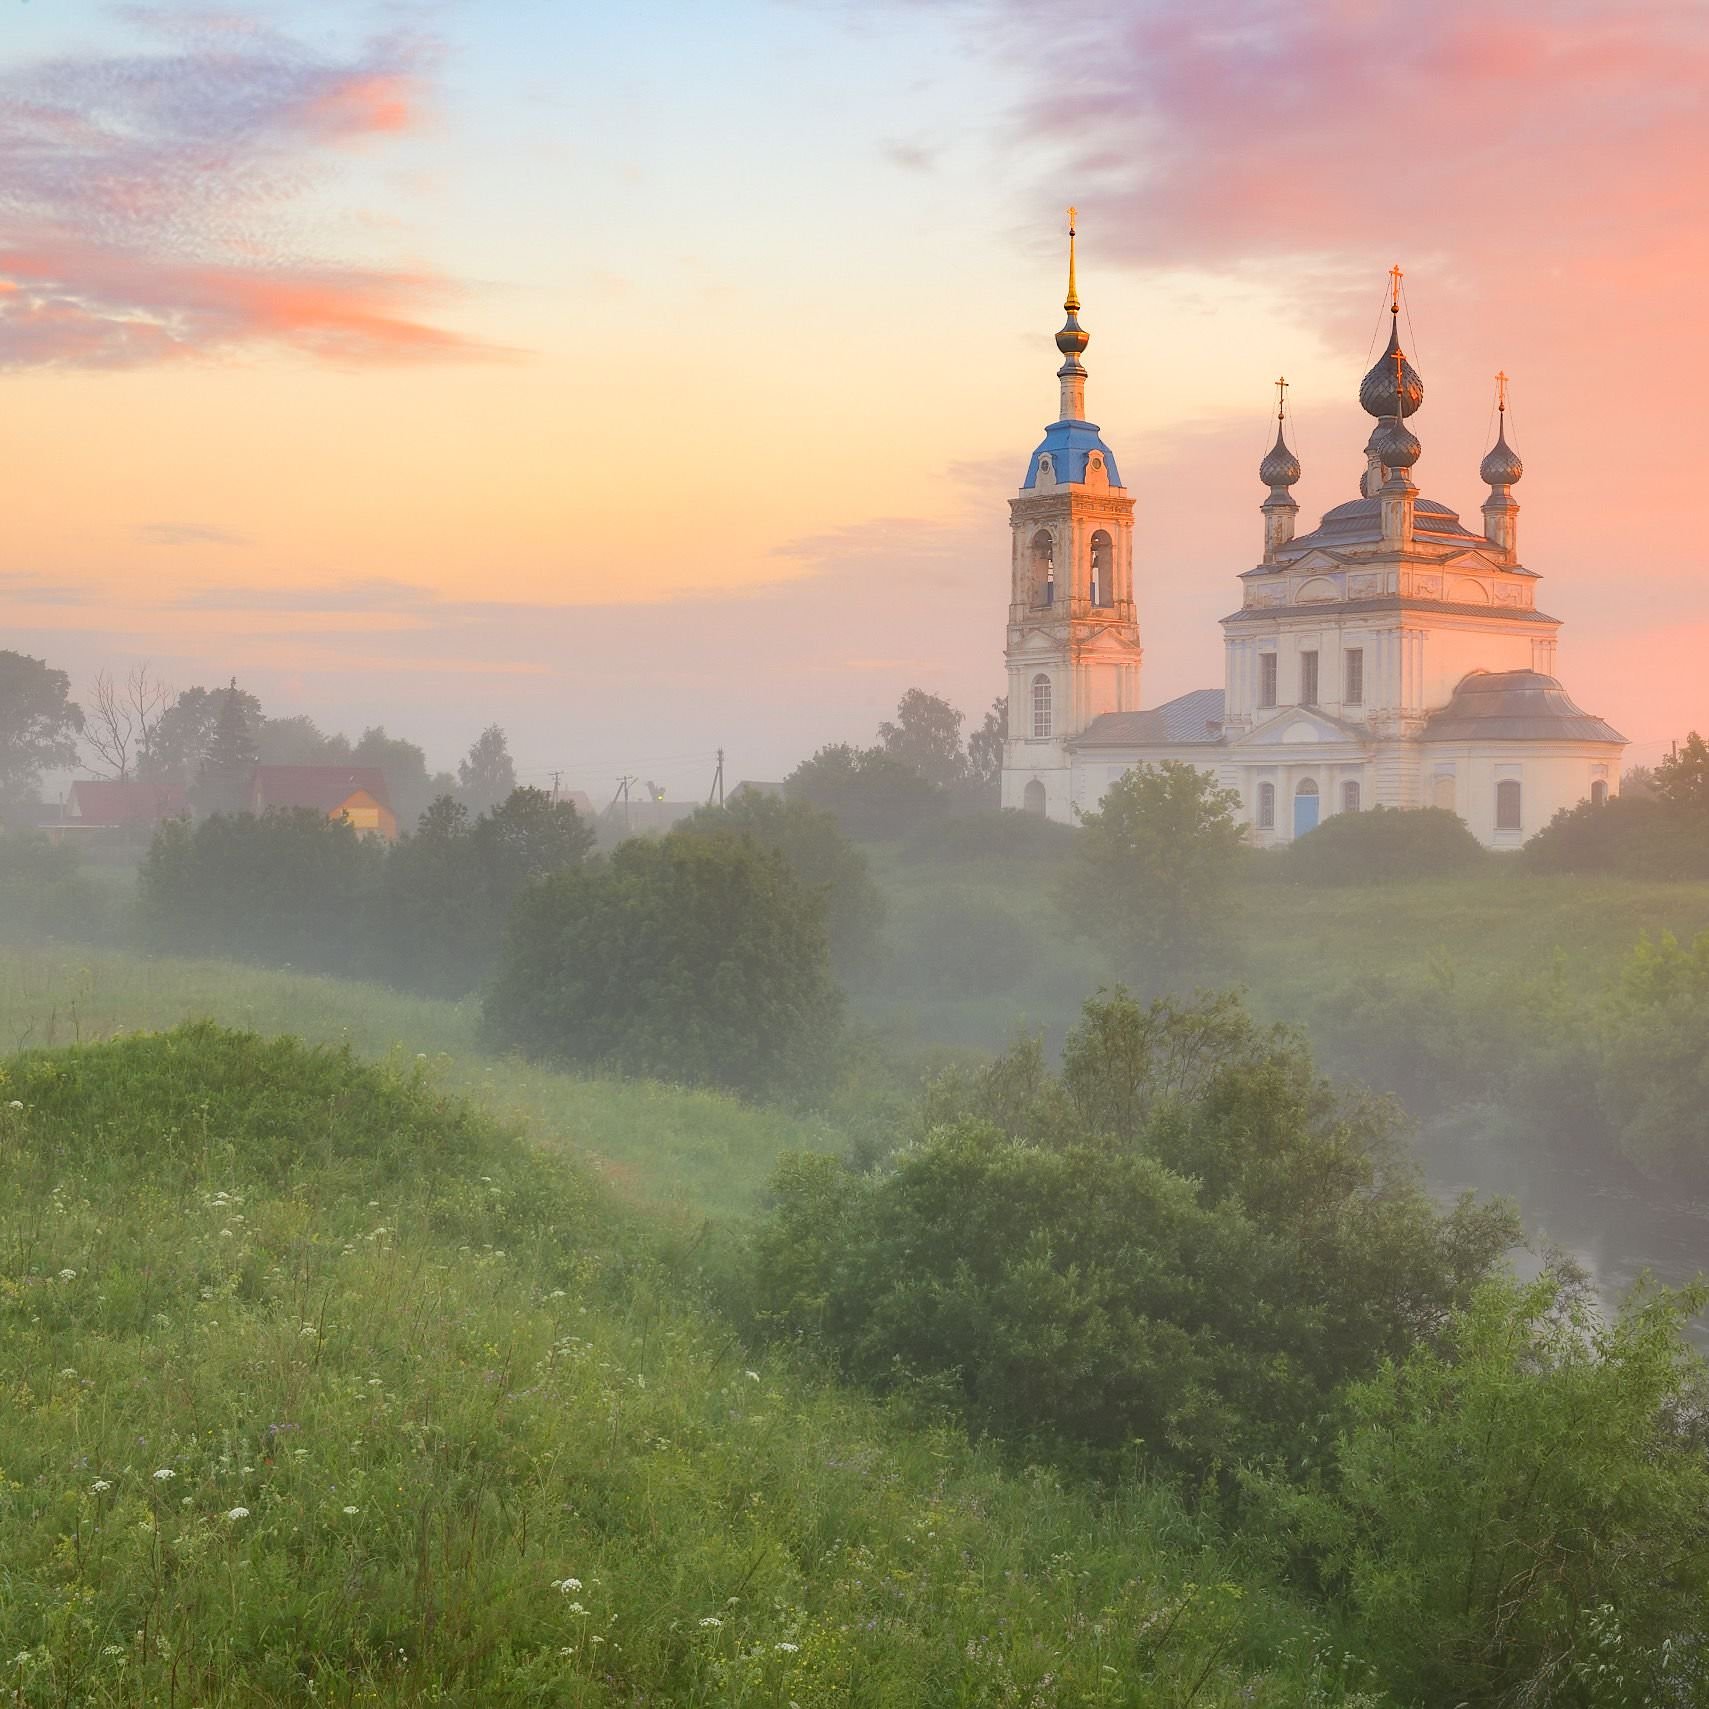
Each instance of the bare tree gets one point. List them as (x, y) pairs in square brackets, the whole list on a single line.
[(119, 729)]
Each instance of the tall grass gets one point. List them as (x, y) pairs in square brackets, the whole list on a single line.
[(322, 1386)]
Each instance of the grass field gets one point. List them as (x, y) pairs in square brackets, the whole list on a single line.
[(690, 1152), (320, 1388)]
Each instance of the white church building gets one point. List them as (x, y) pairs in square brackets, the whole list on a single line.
[(1391, 656)]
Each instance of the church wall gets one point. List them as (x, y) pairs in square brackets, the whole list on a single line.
[(1551, 776)]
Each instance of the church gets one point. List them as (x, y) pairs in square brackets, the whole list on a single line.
[(1391, 656)]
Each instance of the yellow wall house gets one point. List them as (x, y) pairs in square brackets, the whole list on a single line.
[(356, 793)]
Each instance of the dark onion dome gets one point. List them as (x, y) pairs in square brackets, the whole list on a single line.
[(1514, 706), (1394, 444), (1073, 338), (1377, 389), (1280, 468), (1501, 468)]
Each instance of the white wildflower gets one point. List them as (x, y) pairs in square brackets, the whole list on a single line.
[(16, 1104), (711, 1622), (164, 1475), (788, 1649), (99, 1487), (352, 1511), (68, 1275), (238, 1513), (753, 1376), (566, 1585)]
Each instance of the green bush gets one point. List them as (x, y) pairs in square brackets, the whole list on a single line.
[(1384, 845), (824, 860), (1520, 1515), (700, 960), (1186, 1240), (291, 887), (44, 893), (872, 794), (1629, 837), (1005, 835)]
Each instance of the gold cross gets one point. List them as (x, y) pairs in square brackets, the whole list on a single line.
[(1501, 393), (1281, 396), (1395, 277), (1072, 212)]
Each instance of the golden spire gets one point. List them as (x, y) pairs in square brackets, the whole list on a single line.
[(1072, 301)]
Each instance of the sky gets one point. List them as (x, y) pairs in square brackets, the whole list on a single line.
[(652, 379)]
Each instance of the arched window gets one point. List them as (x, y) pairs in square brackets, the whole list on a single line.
[(1508, 805), (1266, 807), (1103, 569), (1442, 791), (1350, 797), (1032, 798), (1306, 806), (1041, 707), (1599, 793), (1041, 577)]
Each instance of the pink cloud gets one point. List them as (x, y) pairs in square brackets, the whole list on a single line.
[(153, 204)]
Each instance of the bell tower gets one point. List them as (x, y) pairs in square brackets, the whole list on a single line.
[(1073, 648)]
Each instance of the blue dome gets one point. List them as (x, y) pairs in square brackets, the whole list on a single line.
[(1069, 444)]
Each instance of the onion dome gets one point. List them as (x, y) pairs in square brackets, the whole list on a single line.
[(1377, 389), (1280, 468), (1394, 444), (1501, 467), (1073, 338)]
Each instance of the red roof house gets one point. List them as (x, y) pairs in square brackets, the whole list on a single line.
[(353, 792), (119, 803)]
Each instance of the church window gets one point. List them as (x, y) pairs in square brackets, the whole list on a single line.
[(1043, 572), (1442, 791), (1032, 798), (1041, 707), (1266, 679), (1103, 553), (1355, 695), (1266, 807), (1350, 797), (1308, 678), (1599, 793), (1507, 805)]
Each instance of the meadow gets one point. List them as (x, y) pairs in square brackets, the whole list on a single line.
[(325, 1386)]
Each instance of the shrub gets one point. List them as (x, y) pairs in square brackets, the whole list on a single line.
[(693, 959), (1187, 1239), (812, 843), (44, 894), (1630, 836), (1521, 1514), (292, 887), (1007, 834), (1383, 845)]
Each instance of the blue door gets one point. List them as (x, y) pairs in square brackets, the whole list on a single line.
[(1305, 808)]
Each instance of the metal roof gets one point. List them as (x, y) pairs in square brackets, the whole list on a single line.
[(1361, 519), (1514, 706), (1069, 444), (1192, 719)]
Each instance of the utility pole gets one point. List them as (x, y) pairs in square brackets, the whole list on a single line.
[(557, 777), (717, 782), (623, 789)]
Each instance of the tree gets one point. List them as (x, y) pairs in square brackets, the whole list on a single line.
[(228, 763), (691, 959), (1151, 872), (299, 740), (528, 835), (871, 793), (819, 855), (120, 731), (286, 887), (487, 776), (1643, 835), (181, 737), (404, 766), (1518, 1510), (985, 747), (1683, 777), (927, 736), (1383, 845), (39, 723)]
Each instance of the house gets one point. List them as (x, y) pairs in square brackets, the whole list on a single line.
[(121, 805), (356, 793)]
